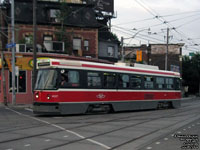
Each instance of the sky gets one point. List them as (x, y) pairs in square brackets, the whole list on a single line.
[(147, 21)]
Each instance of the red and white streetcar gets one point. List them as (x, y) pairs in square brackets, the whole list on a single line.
[(78, 87)]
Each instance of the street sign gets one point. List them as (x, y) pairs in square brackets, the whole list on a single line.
[(191, 54), (10, 45)]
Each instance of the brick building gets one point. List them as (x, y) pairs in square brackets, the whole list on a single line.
[(64, 31)]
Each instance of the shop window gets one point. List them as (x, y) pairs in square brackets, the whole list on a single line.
[(20, 82)]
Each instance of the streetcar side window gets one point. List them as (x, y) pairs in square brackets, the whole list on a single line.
[(124, 81), (178, 84), (160, 82), (70, 78), (109, 80), (148, 82), (136, 81), (169, 83), (94, 80)]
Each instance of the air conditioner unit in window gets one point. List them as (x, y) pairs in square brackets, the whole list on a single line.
[(20, 47), (54, 46)]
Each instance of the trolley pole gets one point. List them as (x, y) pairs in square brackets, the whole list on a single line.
[(13, 52), (167, 45)]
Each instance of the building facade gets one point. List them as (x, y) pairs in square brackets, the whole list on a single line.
[(68, 30)]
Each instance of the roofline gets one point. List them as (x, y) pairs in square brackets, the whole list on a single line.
[(112, 68)]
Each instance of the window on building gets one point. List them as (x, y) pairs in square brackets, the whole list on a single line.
[(148, 82), (86, 45), (160, 82), (70, 78), (94, 79), (124, 81), (48, 38), (76, 44), (20, 82), (54, 15), (109, 80), (169, 83), (110, 51), (29, 39), (136, 81)]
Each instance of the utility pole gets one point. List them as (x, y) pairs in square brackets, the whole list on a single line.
[(122, 50), (167, 45), (34, 43), (13, 52), (2, 59)]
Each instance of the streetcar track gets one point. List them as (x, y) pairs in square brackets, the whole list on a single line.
[(100, 122), (90, 137)]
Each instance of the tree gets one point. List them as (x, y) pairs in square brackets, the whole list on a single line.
[(64, 12), (191, 73)]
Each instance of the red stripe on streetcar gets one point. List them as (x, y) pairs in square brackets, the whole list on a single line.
[(55, 63)]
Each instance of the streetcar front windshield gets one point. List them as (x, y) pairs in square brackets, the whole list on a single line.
[(46, 79)]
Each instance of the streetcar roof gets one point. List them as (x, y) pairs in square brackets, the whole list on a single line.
[(74, 64)]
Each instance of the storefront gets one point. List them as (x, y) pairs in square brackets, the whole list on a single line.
[(23, 84), (23, 80)]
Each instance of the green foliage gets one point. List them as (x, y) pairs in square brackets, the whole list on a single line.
[(115, 37), (62, 34), (191, 73)]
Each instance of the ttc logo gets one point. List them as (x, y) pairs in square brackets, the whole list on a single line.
[(100, 96)]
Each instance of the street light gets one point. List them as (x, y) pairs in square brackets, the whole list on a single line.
[(132, 37)]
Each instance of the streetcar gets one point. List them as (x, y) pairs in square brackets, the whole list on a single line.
[(78, 87)]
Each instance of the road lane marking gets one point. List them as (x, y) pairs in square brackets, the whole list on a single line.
[(29, 109), (27, 145), (149, 148), (61, 128), (165, 139), (66, 136), (157, 143)]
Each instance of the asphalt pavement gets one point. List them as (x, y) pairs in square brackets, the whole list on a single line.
[(167, 129)]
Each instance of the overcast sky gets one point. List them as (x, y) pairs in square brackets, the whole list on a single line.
[(181, 16)]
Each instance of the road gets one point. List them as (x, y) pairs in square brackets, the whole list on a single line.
[(165, 129)]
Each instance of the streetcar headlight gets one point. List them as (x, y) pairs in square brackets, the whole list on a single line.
[(48, 97), (37, 96)]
